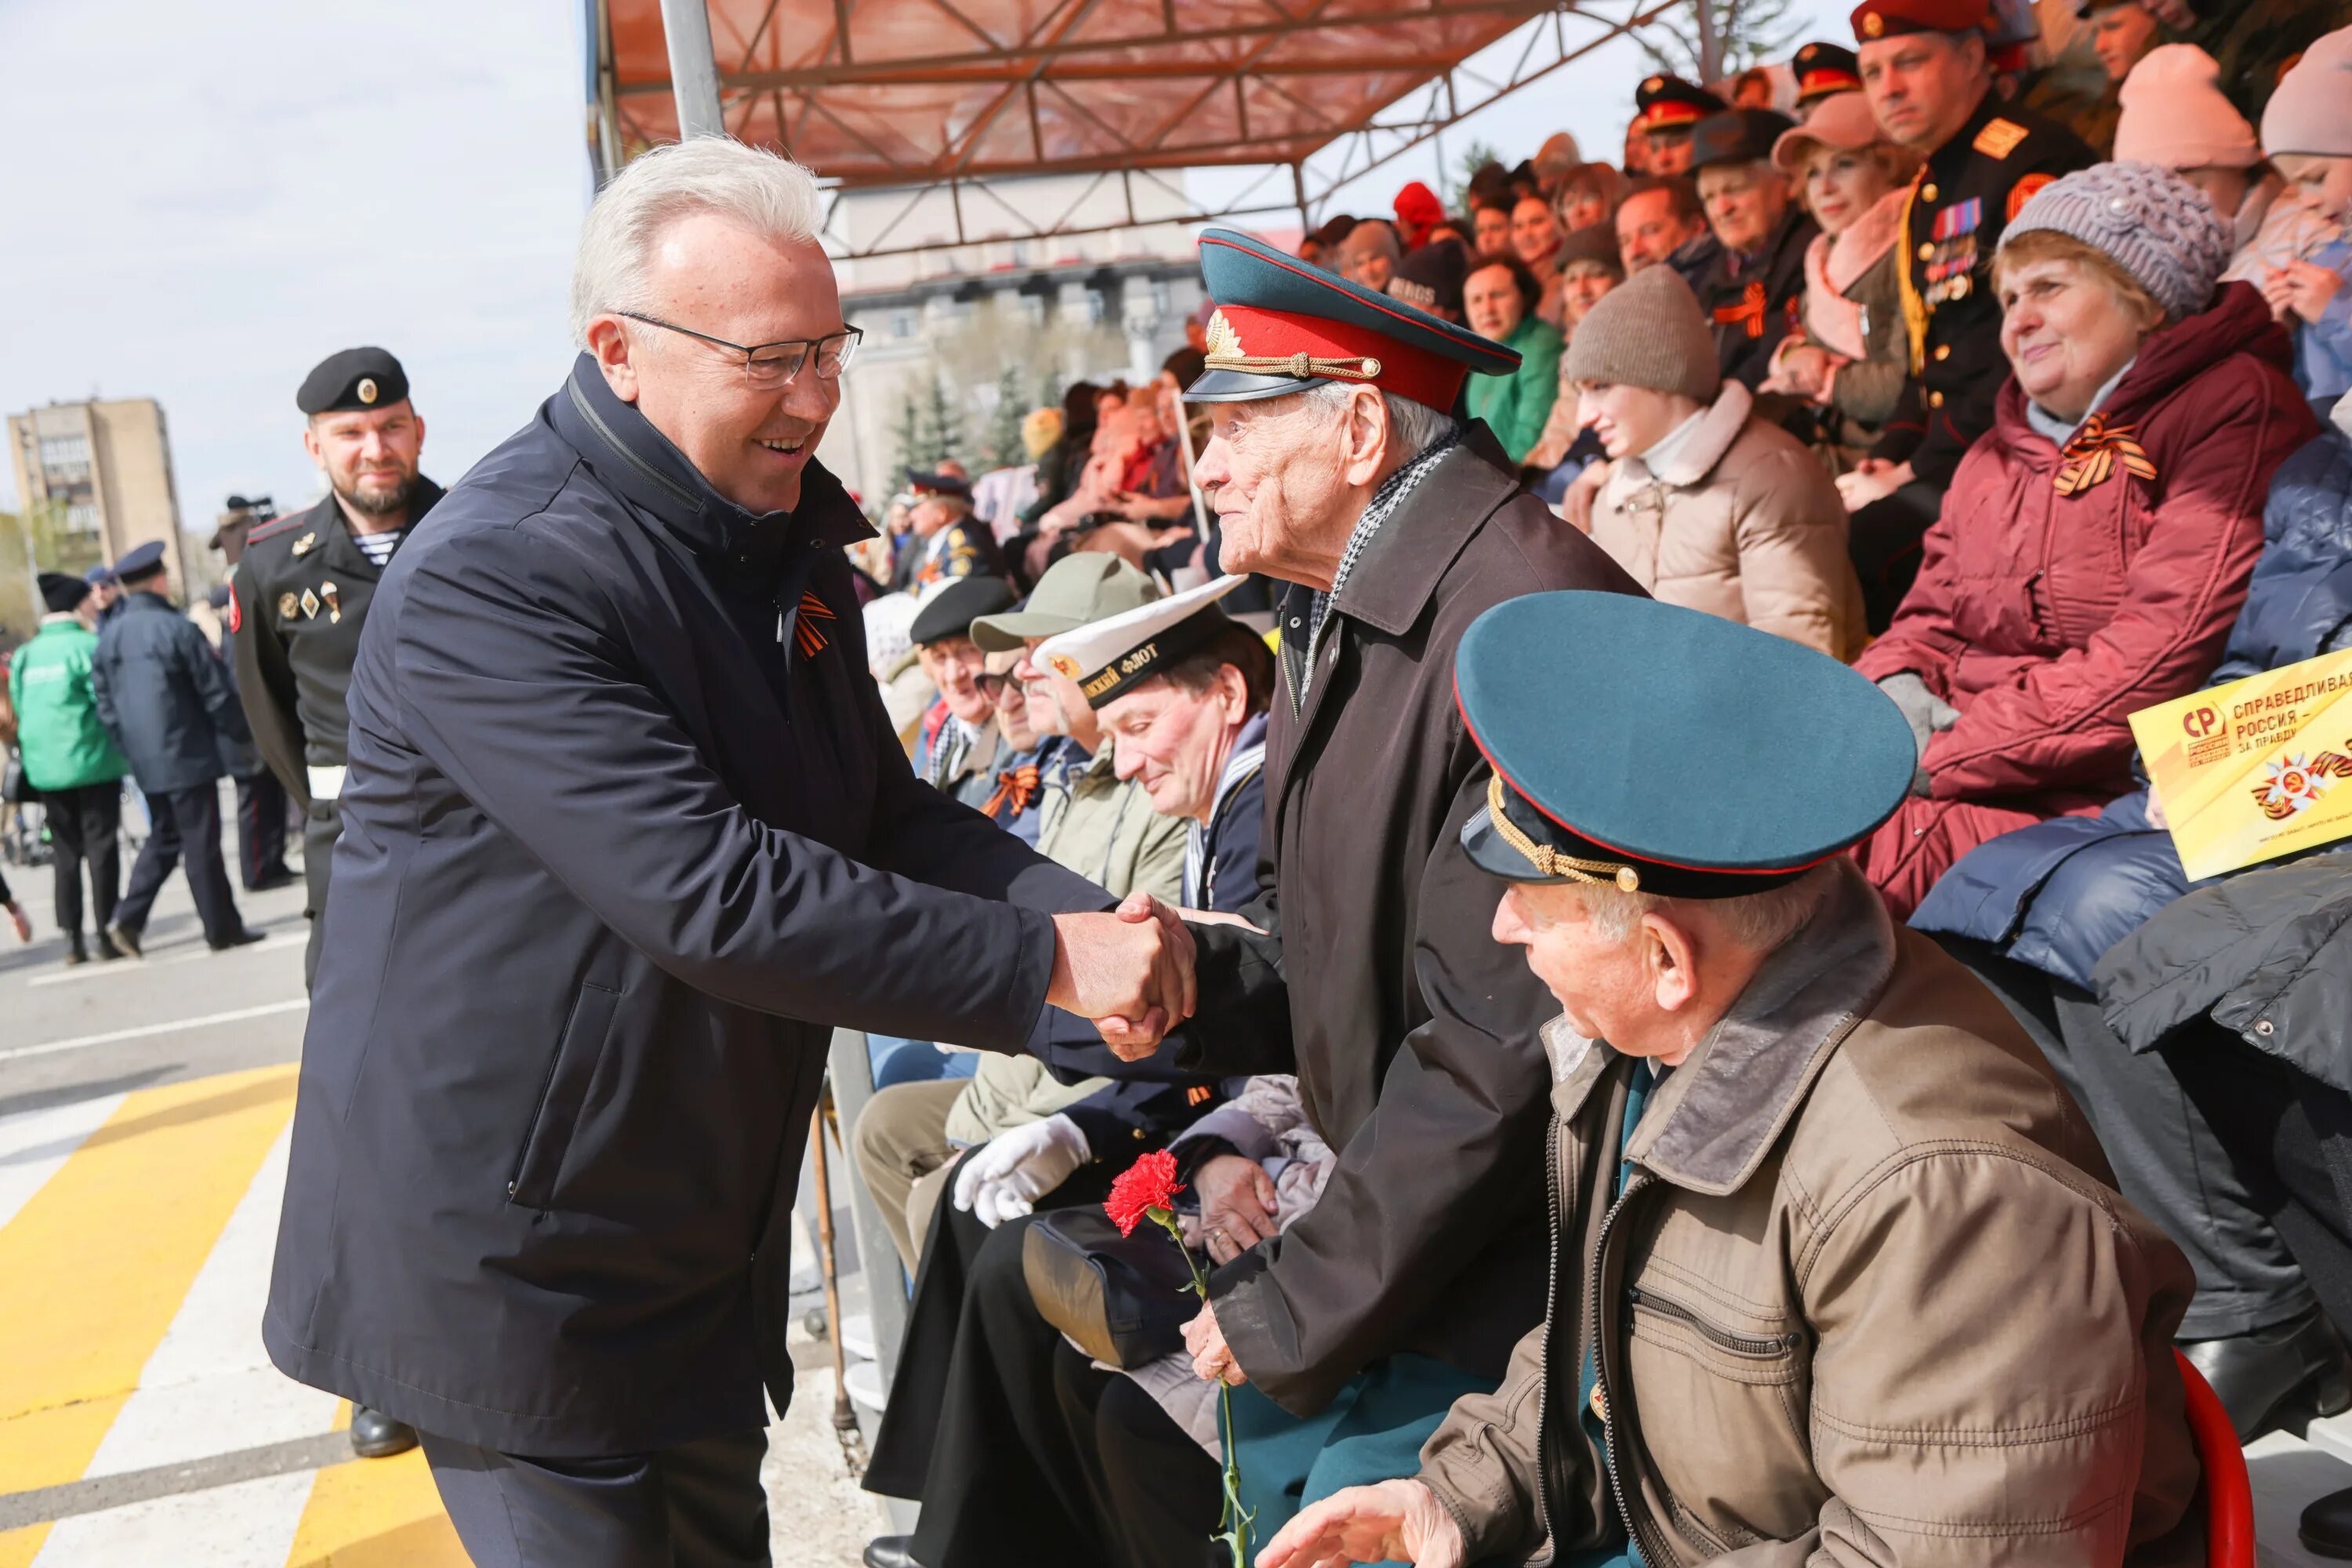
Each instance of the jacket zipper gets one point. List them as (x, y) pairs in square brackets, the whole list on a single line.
[(1653, 1549), (1545, 1452), (1760, 1346)]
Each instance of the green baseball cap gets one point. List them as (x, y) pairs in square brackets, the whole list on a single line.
[(1076, 591)]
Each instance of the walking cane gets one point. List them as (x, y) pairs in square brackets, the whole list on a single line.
[(844, 1419)]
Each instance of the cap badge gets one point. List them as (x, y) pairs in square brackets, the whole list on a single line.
[(367, 389), (1654, 84), (1223, 339), (310, 604), (1063, 665), (333, 595), (1873, 24), (303, 546), (287, 605)]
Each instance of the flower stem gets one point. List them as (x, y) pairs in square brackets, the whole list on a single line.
[(1234, 1521)]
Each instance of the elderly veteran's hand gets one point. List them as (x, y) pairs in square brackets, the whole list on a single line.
[(1393, 1521), (1212, 1359), (1237, 1204), (1129, 970)]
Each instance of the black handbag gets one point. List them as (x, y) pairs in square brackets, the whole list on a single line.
[(1123, 1299), (15, 789)]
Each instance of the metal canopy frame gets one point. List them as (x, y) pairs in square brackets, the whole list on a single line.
[(1123, 90)]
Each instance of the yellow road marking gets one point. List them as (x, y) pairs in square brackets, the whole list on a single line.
[(104, 1254), (373, 1513)]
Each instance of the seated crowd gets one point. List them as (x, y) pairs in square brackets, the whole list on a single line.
[(1913, 440)]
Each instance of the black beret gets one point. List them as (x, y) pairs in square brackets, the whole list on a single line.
[(61, 591), (355, 378), (139, 561), (951, 610), (1737, 136)]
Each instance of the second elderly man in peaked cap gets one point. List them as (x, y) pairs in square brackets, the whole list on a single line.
[(1336, 464)]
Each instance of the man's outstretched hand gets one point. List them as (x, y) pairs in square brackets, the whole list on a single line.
[(1130, 970), (1395, 1522)]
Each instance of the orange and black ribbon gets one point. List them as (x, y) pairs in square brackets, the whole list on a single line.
[(1015, 785), (808, 637), (1748, 313), (2092, 455), (2326, 766)]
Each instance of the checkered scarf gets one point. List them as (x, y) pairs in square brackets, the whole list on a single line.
[(1384, 502)]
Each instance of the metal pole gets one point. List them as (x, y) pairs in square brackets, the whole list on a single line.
[(1299, 191), (693, 69)]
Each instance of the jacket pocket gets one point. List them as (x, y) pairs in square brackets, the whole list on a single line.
[(563, 1088)]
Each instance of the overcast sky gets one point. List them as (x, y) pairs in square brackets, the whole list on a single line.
[(199, 209)]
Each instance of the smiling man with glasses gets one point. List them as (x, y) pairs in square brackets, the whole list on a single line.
[(627, 834)]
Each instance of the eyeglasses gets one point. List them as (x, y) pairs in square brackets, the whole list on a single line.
[(768, 366), (995, 685)]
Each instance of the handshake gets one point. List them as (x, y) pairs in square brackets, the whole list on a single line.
[(1129, 970)]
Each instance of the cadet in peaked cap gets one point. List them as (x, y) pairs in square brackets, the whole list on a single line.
[(1282, 326), (1665, 111), (1824, 70), (1875, 19), (1809, 756), (141, 561), (354, 378)]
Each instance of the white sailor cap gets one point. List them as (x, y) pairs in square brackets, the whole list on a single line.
[(1110, 657)]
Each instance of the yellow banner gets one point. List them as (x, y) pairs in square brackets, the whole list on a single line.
[(2256, 769)]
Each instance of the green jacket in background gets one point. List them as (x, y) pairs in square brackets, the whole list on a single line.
[(1515, 406), (65, 746)]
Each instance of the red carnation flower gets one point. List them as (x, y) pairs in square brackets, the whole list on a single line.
[(1150, 1183)]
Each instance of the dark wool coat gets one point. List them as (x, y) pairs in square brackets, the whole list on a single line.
[(1414, 1032)]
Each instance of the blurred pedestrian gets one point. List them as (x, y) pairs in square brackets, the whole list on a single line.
[(165, 695), (70, 759)]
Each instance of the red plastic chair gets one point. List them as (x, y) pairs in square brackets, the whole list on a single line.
[(2229, 1494)]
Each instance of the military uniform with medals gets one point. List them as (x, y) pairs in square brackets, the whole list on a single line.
[(300, 596), (1961, 200)]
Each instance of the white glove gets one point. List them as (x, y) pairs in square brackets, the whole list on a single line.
[(1004, 1177)]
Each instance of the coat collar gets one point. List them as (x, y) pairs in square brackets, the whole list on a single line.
[(1402, 563), (630, 456), (1714, 1120), (1717, 429)]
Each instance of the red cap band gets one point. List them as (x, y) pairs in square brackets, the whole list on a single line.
[(1427, 378)]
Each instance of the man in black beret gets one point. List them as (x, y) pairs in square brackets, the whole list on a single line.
[(1753, 292), (301, 590)]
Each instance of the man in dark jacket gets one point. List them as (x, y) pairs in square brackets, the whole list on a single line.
[(627, 833), (166, 699), (1413, 1035), (1756, 288)]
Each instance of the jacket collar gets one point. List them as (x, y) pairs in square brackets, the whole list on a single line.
[(55, 619), (1402, 563), (138, 601), (1717, 1117), (628, 455), (1709, 439)]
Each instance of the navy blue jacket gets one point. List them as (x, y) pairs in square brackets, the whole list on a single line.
[(2059, 894), (627, 833), (165, 697)]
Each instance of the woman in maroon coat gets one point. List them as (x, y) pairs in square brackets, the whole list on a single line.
[(2095, 543)]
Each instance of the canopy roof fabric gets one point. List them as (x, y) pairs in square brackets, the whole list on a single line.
[(897, 92)]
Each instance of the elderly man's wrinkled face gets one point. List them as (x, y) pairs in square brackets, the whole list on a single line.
[(713, 275), (1744, 202), (1016, 720), (1601, 982), (1649, 231), (1923, 86), (1056, 706), (1176, 740), (1274, 471), (954, 665), (2065, 330)]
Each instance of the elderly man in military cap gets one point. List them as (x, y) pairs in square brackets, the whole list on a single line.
[(1925, 67), (946, 539), (1336, 464), (1756, 288), (1666, 110), (1839, 1273)]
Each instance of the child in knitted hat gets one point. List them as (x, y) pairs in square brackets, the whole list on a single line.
[(2307, 132), (2176, 116)]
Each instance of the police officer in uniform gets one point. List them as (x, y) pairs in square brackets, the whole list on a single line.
[(300, 596), (1925, 67), (1666, 108)]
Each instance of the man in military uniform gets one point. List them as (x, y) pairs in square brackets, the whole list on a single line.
[(1666, 108), (946, 539), (1823, 71), (300, 596), (1756, 288), (1924, 67)]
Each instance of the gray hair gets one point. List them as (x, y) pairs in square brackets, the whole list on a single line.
[(1760, 922), (1415, 426), (772, 196)]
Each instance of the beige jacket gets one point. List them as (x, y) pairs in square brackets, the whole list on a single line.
[(1744, 523), (1869, 1298)]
